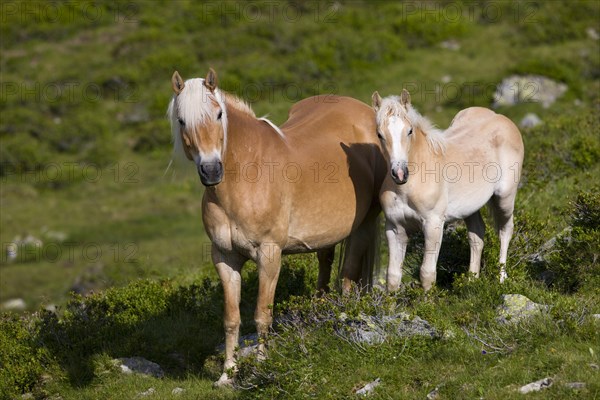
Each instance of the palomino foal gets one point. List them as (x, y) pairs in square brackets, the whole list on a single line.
[(438, 176), (270, 191)]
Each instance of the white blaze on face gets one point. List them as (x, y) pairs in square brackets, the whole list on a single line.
[(396, 127)]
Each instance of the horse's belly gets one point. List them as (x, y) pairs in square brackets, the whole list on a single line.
[(465, 200)]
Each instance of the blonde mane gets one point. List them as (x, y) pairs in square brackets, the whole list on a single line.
[(192, 105), (391, 105)]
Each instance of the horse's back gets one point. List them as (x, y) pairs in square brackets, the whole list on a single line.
[(475, 124), (346, 116)]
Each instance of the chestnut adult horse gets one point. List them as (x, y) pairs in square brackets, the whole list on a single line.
[(303, 187), (438, 176)]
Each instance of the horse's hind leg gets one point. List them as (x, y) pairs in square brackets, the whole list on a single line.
[(502, 208), (359, 257), (476, 228), (325, 257)]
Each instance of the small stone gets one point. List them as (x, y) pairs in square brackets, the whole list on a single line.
[(433, 394), (596, 316), (141, 366), (450, 44), (592, 33), (593, 366), (446, 79), (575, 385), (530, 120), (148, 392), (14, 305), (368, 388), (536, 386), (177, 391)]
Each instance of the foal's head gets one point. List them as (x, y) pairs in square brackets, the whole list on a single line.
[(395, 130), (199, 124)]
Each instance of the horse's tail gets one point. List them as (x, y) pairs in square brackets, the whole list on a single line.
[(370, 262), (359, 254)]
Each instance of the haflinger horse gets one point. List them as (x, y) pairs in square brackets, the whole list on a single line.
[(303, 187), (438, 176)]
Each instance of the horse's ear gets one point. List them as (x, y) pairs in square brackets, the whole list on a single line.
[(405, 98), (376, 100), (177, 83), (211, 80)]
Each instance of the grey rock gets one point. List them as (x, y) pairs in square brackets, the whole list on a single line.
[(90, 279), (141, 366), (592, 33), (247, 345), (528, 89), (148, 392), (536, 386), (575, 385), (375, 330), (177, 391), (17, 304), (368, 388), (450, 44), (530, 120), (434, 394), (516, 307)]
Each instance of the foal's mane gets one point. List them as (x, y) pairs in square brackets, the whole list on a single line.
[(391, 105)]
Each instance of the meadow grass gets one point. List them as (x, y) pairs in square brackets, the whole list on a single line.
[(90, 100)]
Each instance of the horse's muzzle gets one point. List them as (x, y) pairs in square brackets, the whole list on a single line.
[(211, 173), (399, 172)]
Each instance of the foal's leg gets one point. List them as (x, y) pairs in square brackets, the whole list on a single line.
[(433, 228), (325, 257), (228, 267), (397, 243), (503, 208), (269, 265), (476, 228)]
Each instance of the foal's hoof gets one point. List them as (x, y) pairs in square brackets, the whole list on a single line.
[(224, 381)]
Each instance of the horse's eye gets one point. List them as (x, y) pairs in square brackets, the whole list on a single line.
[(220, 114), (379, 135), (410, 131), (181, 122)]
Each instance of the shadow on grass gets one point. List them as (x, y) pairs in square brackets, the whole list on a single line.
[(178, 327)]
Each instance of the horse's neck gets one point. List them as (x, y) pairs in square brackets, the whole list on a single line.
[(247, 136), (421, 150)]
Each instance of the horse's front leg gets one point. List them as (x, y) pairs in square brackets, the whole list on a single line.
[(397, 243), (269, 264), (228, 267), (433, 228)]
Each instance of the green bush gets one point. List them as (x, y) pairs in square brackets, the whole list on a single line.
[(22, 360), (543, 22), (575, 259)]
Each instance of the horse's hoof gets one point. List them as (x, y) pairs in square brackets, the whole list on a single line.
[(224, 381)]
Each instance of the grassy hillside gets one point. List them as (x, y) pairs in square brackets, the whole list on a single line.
[(84, 146)]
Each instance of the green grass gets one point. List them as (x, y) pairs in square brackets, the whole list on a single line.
[(87, 98)]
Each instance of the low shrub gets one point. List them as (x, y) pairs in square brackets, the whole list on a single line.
[(22, 360), (574, 262)]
